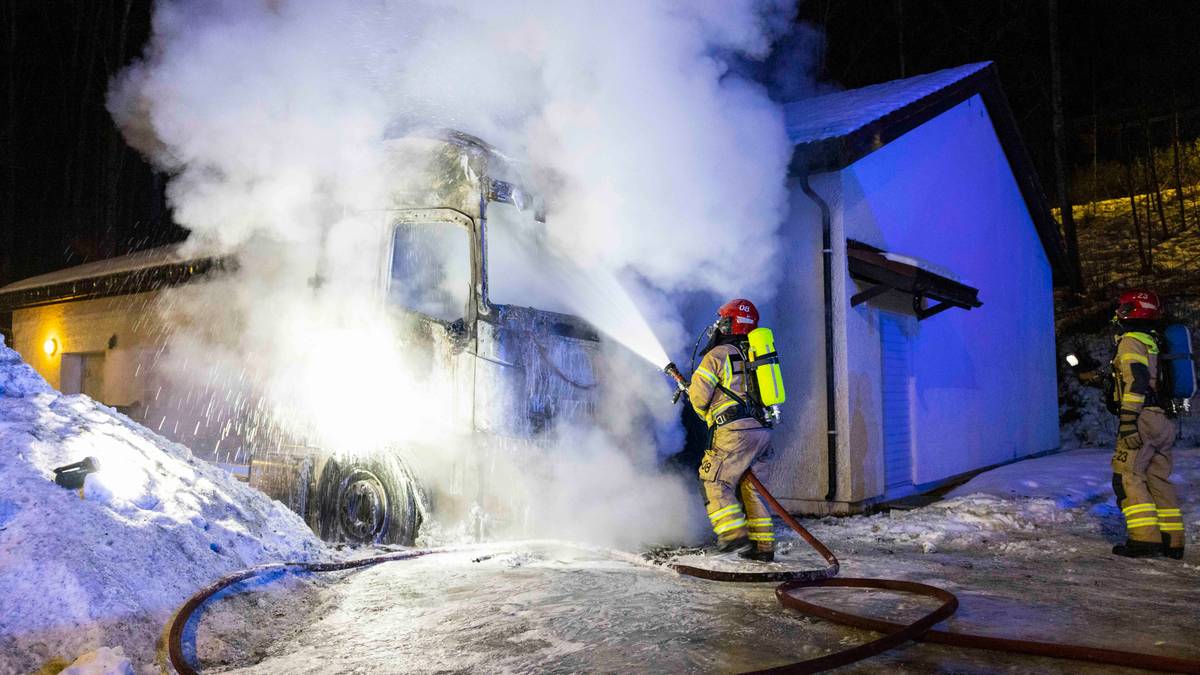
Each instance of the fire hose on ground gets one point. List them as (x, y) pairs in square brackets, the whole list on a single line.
[(894, 634), (921, 630)]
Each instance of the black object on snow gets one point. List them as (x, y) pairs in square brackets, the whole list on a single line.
[(72, 476)]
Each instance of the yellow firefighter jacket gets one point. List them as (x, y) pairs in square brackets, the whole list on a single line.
[(726, 365), (1136, 368)]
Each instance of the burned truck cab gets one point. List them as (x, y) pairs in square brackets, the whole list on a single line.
[(499, 367)]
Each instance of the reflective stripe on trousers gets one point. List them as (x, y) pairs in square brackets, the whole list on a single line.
[(732, 500), (726, 519), (1170, 520), (761, 529), (1140, 515)]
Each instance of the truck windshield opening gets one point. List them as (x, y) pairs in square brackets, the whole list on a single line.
[(431, 269)]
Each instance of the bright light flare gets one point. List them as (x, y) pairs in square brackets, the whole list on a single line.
[(124, 475), (357, 400), (50, 346)]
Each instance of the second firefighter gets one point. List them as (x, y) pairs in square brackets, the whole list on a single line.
[(1141, 461)]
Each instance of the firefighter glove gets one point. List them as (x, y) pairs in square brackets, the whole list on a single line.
[(1127, 430)]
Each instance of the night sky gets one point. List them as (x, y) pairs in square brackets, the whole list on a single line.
[(72, 192)]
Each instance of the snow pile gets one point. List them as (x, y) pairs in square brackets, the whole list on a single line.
[(960, 523), (1083, 418), (1003, 509), (153, 526)]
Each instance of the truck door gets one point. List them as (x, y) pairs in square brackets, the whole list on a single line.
[(431, 279)]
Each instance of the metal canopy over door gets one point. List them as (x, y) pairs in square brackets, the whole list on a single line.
[(896, 363)]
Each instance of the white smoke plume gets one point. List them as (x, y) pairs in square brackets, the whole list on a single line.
[(659, 165)]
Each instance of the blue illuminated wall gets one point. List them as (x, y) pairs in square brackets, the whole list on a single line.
[(982, 385)]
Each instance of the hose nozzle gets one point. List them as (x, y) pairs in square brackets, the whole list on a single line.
[(680, 382)]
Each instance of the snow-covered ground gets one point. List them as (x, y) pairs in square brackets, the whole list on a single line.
[(98, 575), (1025, 547)]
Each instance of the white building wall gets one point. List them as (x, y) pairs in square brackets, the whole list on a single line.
[(983, 381), (799, 469)]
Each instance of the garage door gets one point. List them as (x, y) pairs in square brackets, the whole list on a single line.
[(897, 405)]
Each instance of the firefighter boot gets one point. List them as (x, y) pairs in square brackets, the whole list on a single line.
[(757, 555), (734, 545), (1133, 548), (1170, 551)]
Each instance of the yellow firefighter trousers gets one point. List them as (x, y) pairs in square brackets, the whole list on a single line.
[(735, 449), (1141, 480)]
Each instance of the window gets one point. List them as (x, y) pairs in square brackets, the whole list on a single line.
[(521, 270), (431, 269)]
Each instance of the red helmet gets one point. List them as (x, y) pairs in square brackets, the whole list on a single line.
[(1139, 305), (742, 315)]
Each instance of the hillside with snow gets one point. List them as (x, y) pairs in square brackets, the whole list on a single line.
[(1169, 258)]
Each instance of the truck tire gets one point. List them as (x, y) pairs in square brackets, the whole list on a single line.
[(365, 501)]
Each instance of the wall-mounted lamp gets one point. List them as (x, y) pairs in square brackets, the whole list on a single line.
[(50, 346), (1086, 368)]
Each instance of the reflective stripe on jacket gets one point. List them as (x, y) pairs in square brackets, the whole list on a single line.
[(717, 367), (1136, 368)]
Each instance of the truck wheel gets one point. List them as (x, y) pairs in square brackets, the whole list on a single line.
[(366, 501)]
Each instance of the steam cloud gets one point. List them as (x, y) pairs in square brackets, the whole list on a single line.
[(659, 164)]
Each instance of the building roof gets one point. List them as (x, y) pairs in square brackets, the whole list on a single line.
[(833, 131), (163, 255), (133, 273), (841, 113)]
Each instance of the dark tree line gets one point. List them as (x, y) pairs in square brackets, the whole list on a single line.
[(70, 188), (1103, 90)]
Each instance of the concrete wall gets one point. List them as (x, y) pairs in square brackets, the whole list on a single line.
[(983, 381)]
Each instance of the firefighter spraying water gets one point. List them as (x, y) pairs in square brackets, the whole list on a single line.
[(736, 390)]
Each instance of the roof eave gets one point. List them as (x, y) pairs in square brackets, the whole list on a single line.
[(837, 153), (111, 285)]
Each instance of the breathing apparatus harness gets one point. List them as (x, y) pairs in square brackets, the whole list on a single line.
[(762, 375), (719, 333), (1160, 390)]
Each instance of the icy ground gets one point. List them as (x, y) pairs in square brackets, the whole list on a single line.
[(96, 577), (1025, 547)]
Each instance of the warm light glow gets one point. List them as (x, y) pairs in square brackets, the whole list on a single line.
[(1072, 360), (50, 346)]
